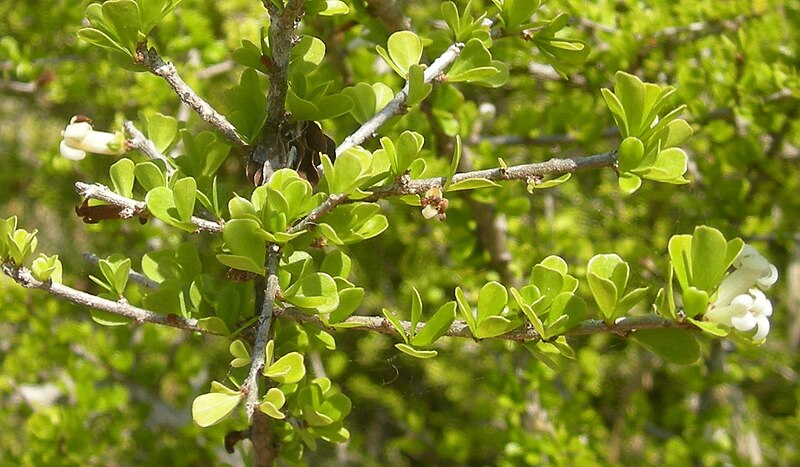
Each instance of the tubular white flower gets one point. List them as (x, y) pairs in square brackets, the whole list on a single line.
[(740, 304), (80, 138), (751, 269)]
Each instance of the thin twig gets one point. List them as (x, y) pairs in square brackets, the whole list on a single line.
[(262, 337), (137, 140), (156, 65), (325, 208), (24, 277), (408, 186), (397, 104), (554, 166), (132, 207), (523, 334)]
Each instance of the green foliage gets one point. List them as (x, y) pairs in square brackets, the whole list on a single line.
[(700, 261), (648, 148), (608, 276), (475, 65), (418, 339), (568, 399)]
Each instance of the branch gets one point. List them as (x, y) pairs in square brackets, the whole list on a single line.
[(138, 315), (408, 186), (132, 207), (157, 66), (524, 334), (262, 337), (397, 105), (554, 166), (137, 140), (325, 208), (283, 24)]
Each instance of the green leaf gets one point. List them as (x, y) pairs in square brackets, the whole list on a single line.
[(473, 65), (418, 89), (404, 50), (271, 403), (395, 322), (240, 354), (695, 301), (416, 311), (605, 294), (495, 325), (566, 312), (453, 163), (631, 153), (100, 39), (436, 326), (673, 345), (629, 183), (249, 104), (333, 106), (492, 300), (709, 263), (349, 301), (288, 369), (185, 195), (162, 130), (152, 11), (122, 177), (307, 54), (316, 292), (408, 350), (46, 268), (539, 185), (617, 111), (527, 310), (708, 327), (210, 408), (123, 17), (246, 242), (545, 353), (337, 264), (669, 167), (364, 100), (465, 309), (631, 93), (105, 318), (161, 204), (335, 7), (472, 184), (149, 175)]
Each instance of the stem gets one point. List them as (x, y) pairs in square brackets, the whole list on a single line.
[(396, 106), (139, 141), (554, 166), (264, 325), (133, 207), (157, 66), (523, 334), (24, 277)]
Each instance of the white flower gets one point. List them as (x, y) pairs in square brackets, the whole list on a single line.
[(740, 304), (80, 138), (430, 211), (744, 313)]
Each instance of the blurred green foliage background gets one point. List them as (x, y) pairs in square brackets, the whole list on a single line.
[(75, 393)]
